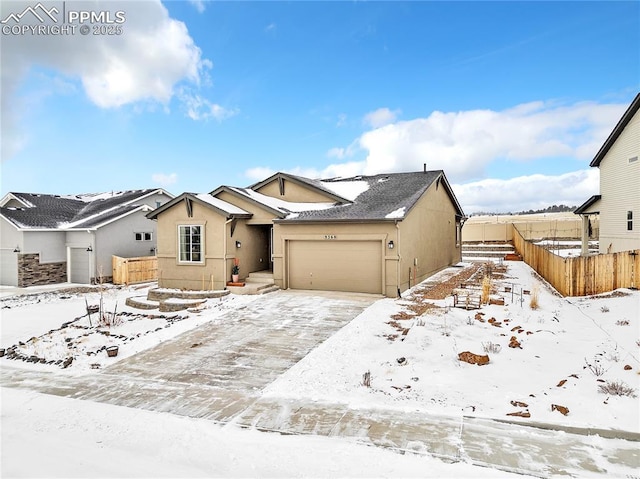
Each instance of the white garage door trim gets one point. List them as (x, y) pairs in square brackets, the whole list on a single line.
[(350, 265)]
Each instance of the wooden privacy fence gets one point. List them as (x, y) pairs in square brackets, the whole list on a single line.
[(134, 270), (584, 275)]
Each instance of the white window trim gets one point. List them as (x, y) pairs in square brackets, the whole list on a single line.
[(143, 234), (202, 242)]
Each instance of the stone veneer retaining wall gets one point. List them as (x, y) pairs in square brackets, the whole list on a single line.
[(31, 272)]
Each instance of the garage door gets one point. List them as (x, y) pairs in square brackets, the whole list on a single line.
[(336, 266), (80, 265)]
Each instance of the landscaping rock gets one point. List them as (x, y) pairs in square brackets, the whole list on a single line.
[(471, 358), (563, 410), (520, 414)]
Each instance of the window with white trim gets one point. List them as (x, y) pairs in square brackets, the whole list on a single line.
[(629, 220), (190, 244), (143, 236)]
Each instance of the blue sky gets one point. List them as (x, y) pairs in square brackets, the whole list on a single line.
[(510, 99)]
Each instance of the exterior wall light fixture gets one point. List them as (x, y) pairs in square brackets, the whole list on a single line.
[(391, 245), (238, 244), (89, 249), (16, 249)]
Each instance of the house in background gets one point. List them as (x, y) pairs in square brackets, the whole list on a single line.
[(47, 239), (372, 234), (618, 203)]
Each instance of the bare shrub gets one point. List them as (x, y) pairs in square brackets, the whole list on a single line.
[(535, 296), (366, 379), (491, 347), (622, 322), (613, 356), (420, 322), (604, 309), (486, 289), (596, 368), (617, 388)]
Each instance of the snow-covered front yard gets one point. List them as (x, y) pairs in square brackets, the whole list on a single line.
[(567, 362), (568, 350)]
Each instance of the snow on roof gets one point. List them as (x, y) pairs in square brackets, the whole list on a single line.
[(281, 205), (90, 219), (348, 189), (399, 213), (220, 204), (89, 197)]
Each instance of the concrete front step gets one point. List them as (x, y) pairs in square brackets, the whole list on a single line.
[(253, 288), (264, 275)]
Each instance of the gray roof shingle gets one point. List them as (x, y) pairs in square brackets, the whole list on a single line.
[(81, 211), (389, 196)]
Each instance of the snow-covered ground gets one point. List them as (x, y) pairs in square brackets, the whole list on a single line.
[(569, 348), (567, 248), (54, 327), (49, 436)]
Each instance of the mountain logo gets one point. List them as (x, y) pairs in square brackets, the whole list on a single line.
[(39, 11)]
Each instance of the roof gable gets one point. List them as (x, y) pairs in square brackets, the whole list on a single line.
[(207, 200), (313, 186), (615, 134)]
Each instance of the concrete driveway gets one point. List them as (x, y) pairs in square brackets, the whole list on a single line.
[(218, 369)]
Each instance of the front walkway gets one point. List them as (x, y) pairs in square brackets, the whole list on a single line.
[(219, 370)]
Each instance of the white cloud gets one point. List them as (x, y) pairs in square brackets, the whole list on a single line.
[(464, 143), (198, 4), (342, 120), (338, 153), (199, 108), (528, 192), (380, 117), (270, 28), (144, 63), (164, 179)]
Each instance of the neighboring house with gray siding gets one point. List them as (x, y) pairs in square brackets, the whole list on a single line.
[(618, 203), (47, 239)]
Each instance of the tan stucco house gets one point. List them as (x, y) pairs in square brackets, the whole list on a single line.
[(618, 203), (376, 234)]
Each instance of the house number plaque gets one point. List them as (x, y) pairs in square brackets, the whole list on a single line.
[(329, 237)]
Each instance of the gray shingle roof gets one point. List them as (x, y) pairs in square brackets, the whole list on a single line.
[(81, 211), (389, 196)]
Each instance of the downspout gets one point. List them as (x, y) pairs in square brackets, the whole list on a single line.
[(398, 260), (224, 253)]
